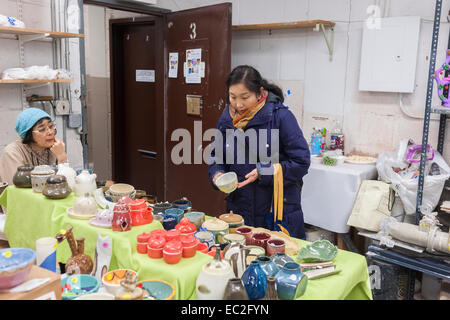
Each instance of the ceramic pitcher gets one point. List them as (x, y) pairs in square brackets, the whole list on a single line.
[(85, 183)]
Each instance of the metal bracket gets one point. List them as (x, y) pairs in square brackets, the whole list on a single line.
[(31, 37), (329, 40)]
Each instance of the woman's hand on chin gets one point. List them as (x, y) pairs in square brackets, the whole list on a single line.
[(59, 150)]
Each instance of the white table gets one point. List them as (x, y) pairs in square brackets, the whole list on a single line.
[(329, 192)]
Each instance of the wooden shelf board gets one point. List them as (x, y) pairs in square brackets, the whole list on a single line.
[(26, 31), (35, 81), (285, 25)]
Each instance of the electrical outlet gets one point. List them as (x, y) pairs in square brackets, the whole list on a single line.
[(75, 120), (62, 107)]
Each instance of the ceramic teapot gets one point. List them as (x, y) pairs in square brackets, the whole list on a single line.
[(65, 170), (213, 279), (85, 183)]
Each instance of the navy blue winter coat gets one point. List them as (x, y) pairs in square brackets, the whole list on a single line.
[(254, 200)]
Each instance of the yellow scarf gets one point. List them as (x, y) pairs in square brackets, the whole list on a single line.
[(241, 121), (278, 197)]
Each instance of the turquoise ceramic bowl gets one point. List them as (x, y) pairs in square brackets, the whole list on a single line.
[(78, 285), (158, 289)]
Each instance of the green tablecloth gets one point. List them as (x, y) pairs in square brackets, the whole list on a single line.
[(31, 216)]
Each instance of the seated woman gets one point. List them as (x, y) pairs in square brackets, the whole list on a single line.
[(38, 145)]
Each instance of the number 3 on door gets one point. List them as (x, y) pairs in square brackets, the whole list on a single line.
[(193, 34)]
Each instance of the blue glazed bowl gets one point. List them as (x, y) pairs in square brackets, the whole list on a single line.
[(15, 265), (158, 289), (169, 222), (176, 213), (78, 285)]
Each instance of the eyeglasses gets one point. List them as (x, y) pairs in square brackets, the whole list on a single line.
[(51, 128)]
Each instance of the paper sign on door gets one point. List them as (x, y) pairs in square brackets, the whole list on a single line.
[(173, 64), (193, 61), (145, 75)]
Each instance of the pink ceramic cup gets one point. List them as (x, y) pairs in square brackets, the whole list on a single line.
[(274, 246), (247, 233), (260, 239)]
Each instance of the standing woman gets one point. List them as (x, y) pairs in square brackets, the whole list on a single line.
[(268, 194), (37, 146)]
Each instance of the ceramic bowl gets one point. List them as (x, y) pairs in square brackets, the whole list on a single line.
[(158, 289), (77, 285), (111, 280), (176, 213), (15, 265), (96, 296), (227, 182), (197, 218), (161, 207), (318, 251)]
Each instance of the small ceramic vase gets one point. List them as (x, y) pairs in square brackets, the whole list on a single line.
[(56, 187), (271, 291), (234, 220), (290, 281), (213, 278), (22, 177), (280, 259), (269, 267), (255, 281), (235, 290)]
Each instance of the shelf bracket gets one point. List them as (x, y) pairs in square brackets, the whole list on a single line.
[(31, 37), (329, 40)]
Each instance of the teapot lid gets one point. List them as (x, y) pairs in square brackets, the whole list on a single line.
[(231, 217)]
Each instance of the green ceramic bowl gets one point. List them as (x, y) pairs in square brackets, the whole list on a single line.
[(318, 251)]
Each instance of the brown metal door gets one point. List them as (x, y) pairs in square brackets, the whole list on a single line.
[(209, 29), (137, 103)]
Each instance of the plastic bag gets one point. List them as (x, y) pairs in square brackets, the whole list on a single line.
[(406, 185)]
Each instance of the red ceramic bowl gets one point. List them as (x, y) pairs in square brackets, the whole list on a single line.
[(202, 247), (154, 253)]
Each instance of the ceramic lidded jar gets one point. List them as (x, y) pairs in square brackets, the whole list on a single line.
[(103, 219), (155, 247), (22, 177), (218, 227), (142, 242), (85, 207), (85, 183), (189, 245), (173, 251), (56, 187), (173, 234), (234, 220), (290, 282), (213, 278), (186, 227), (121, 219), (39, 177)]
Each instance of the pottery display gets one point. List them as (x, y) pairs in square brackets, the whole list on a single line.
[(22, 177), (269, 267), (64, 169), (142, 242), (233, 237), (111, 280), (255, 252), (290, 282), (236, 254), (186, 227), (183, 204), (197, 218), (56, 187), (15, 265), (318, 251), (260, 239), (75, 286), (85, 183), (189, 243), (161, 207), (177, 213), (213, 278), (129, 289), (155, 246), (292, 246), (205, 237), (103, 218), (227, 182), (79, 262), (255, 281), (173, 251), (157, 289), (119, 190), (281, 259), (274, 246), (218, 227), (271, 290), (121, 218), (39, 177), (169, 222), (84, 207), (247, 232), (235, 290), (234, 220), (140, 213)]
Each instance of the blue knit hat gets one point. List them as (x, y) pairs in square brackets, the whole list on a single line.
[(28, 118)]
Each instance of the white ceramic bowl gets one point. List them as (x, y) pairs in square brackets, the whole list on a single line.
[(113, 288), (227, 182)]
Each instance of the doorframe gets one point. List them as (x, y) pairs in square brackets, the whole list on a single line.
[(160, 75)]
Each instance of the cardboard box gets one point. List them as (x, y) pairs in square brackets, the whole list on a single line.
[(50, 290)]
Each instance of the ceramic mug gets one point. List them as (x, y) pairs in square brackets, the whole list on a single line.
[(247, 233), (274, 246), (205, 237), (234, 237), (260, 239)]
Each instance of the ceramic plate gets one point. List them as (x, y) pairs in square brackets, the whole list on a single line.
[(361, 160), (318, 251), (94, 222), (78, 216), (158, 289)]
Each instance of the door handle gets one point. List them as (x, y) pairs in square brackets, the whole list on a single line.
[(147, 153)]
